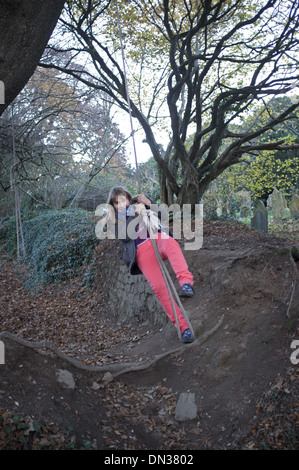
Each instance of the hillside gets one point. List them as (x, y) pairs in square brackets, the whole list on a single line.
[(244, 313)]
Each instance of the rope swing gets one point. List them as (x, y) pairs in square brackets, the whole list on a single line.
[(166, 276), (128, 95)]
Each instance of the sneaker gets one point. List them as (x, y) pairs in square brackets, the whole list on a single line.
[(186, 290), (187, 336)]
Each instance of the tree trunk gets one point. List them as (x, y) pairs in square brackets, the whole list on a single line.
[(170, 195), (163, 187), (25, 29)]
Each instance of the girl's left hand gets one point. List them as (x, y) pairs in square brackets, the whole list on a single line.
[(141, 198)]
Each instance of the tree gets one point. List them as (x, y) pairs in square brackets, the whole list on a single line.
[(25, 28), (207, 63), (61, 139), (265, 170)]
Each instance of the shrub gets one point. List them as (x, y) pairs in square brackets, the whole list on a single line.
[(58, 243)]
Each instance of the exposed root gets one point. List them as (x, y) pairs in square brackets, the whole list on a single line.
[(115, 369)]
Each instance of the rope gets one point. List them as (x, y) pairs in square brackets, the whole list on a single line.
[(128, 95), (168, 281), (14, 183), (165, 273)]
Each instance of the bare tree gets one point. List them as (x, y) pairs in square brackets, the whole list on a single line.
[(58, 139), (219, 58)]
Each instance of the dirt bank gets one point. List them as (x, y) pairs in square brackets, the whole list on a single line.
[(245, 316)]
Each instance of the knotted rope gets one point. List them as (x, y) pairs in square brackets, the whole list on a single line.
[(151, 224), (165, 273)]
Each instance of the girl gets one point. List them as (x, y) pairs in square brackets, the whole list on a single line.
[(140, 257)]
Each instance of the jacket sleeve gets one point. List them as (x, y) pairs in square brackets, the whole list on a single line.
[(121, 228)]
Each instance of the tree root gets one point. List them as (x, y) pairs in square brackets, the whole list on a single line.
[(114, 369)]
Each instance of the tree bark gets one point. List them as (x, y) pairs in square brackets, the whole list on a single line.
[(25, 29)]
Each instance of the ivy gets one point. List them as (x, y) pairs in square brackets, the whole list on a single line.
[(58, 244)]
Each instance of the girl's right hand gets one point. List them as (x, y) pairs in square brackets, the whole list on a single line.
[(141, 198), (139, 207)]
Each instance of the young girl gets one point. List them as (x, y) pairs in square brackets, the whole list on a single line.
[(140, 257)]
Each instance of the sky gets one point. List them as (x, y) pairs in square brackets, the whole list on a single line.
[(142, 149)]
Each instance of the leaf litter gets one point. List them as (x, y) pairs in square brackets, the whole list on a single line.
[(74, 318)]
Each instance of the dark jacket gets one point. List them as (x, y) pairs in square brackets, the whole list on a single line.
[(128, 244)]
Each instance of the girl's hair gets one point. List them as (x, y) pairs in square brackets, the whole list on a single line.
[(118, 191)]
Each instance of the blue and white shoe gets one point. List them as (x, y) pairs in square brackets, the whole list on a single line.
[(186, 290), (187, 336)]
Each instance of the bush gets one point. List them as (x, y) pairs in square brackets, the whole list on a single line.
[(8, 234), (58, 243)]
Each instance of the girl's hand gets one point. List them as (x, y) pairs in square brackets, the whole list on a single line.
[(139, 207), (143, 199)]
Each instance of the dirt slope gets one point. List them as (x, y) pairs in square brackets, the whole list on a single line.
[(239, 367)]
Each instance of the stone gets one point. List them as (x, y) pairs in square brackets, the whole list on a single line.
[(140, 288), (277, 204), (245, 211), (65, 378), (245, 198), (95, 386), (186, 408), (260, 206), (259, 221), (294, 206), (107, 378), (151, 303), (129, 296)]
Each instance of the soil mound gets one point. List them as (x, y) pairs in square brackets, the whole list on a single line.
[(118, 384)]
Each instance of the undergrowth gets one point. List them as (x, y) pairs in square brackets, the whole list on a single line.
[(58, 244)]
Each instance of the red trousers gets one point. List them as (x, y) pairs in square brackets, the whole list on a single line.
[(148, 264)]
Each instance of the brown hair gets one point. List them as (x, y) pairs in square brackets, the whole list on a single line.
[(118, 191)]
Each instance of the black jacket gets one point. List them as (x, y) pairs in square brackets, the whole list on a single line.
[(128, 244)]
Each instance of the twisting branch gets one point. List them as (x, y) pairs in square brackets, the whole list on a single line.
[(208, 48)]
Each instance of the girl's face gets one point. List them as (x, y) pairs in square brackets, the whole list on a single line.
[(121, 202)]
